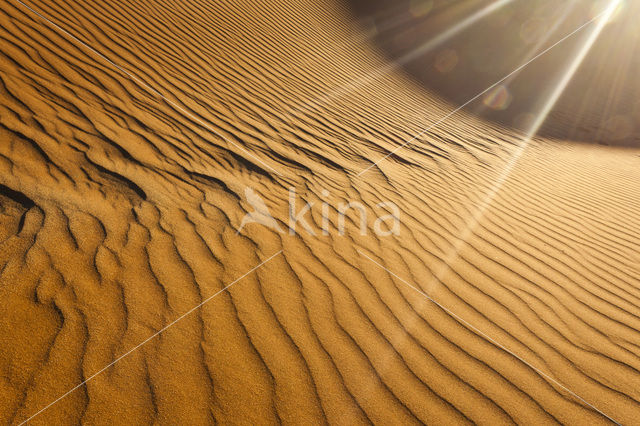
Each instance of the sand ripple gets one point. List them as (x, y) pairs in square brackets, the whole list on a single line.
[(120, 204)]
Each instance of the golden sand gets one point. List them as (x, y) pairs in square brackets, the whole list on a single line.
[(122, 187)]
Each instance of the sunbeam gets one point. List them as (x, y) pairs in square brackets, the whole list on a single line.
[(407, 57), (569, 6), (470, 226), (453, 254), (451, 32), (557, 92), (573, 67)]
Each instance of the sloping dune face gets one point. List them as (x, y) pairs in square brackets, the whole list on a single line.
[(136, 136)]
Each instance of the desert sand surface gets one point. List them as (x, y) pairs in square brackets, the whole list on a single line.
[(133, 135)]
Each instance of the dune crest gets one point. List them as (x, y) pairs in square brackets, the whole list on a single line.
[(123, 185)]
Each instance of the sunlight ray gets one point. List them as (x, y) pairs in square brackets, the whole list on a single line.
[(573, 67), (568, 8), (487, 199), (452, 31), (409, 56), (497, 185), (470, 226)]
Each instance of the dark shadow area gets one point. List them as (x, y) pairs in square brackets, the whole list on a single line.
[(458, 48), (17, 197)]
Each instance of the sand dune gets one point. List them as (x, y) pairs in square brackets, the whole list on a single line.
[(129, 134)]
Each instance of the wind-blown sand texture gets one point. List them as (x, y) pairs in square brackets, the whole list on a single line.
[(120, 207)]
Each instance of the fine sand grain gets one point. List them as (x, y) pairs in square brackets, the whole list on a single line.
[(123, 181)]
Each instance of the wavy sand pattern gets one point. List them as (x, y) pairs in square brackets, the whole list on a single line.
[(120, 199)]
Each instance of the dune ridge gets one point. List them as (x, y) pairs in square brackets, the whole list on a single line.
[(121, 199)]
